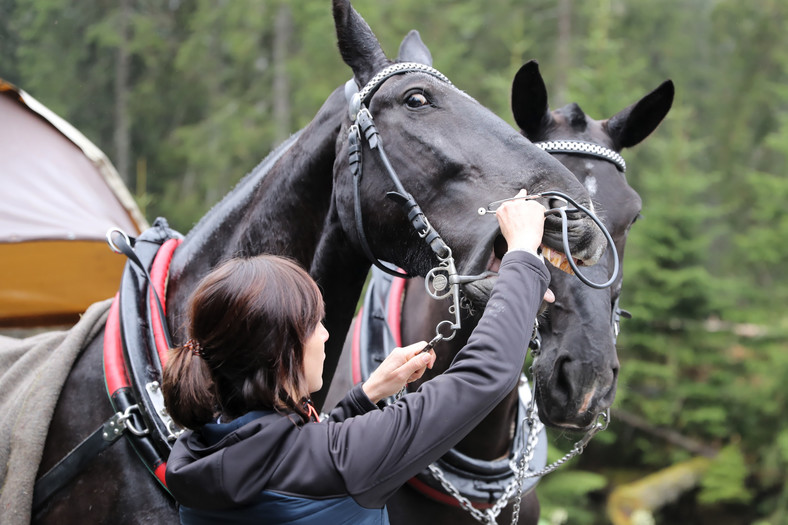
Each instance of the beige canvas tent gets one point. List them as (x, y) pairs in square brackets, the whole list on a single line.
[(59, 194)]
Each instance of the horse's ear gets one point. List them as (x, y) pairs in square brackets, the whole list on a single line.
[(529, 101), (631, 125), (412, 49), (358, 45)]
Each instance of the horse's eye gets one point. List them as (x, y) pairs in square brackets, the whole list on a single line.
[(417, 100)]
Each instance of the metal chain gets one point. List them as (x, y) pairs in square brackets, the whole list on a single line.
[(603, 419), (519, 466), (514, 488), (535, 426)]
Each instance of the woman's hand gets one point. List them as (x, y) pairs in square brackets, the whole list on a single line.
[(402, 366), (522, 223)]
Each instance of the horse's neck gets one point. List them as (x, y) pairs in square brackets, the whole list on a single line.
[(492, 438), (281, 207)]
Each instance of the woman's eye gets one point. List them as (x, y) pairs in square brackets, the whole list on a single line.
[(417, 100)]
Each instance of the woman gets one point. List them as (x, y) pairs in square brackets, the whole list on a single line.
[(256, 453)]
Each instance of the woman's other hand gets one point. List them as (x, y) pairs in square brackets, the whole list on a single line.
[(402, 366)]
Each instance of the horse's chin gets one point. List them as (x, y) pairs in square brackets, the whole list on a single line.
[(579, 423)]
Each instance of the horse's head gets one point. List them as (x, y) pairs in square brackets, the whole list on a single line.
[(451, 154), (577, 366)]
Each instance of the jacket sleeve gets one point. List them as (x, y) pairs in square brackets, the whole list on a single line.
[(354, 403), (378, 452)]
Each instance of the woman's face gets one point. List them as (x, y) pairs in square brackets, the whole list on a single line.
[(314, 355)]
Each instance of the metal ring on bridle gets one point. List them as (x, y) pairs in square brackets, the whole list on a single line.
[(443, 337), (112, 245)]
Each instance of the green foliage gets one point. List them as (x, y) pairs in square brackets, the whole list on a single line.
[(212, 87), (564, 494), (724, 482)]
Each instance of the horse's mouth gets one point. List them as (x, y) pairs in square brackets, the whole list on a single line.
[(479, 291), (559, 260), (554, 257)]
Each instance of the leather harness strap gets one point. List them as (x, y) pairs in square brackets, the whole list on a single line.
[(75, 462)]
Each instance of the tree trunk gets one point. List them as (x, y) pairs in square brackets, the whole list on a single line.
[(122, 128), (635, 502), (283, 31), (563, 52)]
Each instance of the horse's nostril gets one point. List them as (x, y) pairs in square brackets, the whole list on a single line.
[(563, 379), (556, 203)]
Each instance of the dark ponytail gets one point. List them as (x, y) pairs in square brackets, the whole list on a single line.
[(249, 319), (188, 388)]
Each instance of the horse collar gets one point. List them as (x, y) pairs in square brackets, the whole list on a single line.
[(137, 325)]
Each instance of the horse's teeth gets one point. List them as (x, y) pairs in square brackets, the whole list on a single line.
[(557, 259)]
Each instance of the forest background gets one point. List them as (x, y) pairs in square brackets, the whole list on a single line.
[(188, 96)]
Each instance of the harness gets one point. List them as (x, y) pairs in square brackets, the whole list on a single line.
[(135, 344), (475, 484)]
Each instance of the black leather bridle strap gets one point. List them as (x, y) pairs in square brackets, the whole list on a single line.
[(364, 125), (76, 460), (354, 153)]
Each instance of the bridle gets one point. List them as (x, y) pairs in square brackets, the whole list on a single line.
[(582, 147), (445, 275)]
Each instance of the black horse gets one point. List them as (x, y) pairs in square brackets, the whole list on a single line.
[(300, 202), (576, 368)]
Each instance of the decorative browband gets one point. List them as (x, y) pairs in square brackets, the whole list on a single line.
[(395, 69), (583, 148)]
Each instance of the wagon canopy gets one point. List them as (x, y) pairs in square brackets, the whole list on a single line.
[(59, 194)]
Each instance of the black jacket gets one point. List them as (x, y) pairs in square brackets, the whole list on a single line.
[(362, 451)]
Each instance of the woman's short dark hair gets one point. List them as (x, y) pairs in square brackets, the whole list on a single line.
[(248, 322)]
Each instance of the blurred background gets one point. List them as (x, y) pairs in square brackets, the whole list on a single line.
[(186, 97)]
